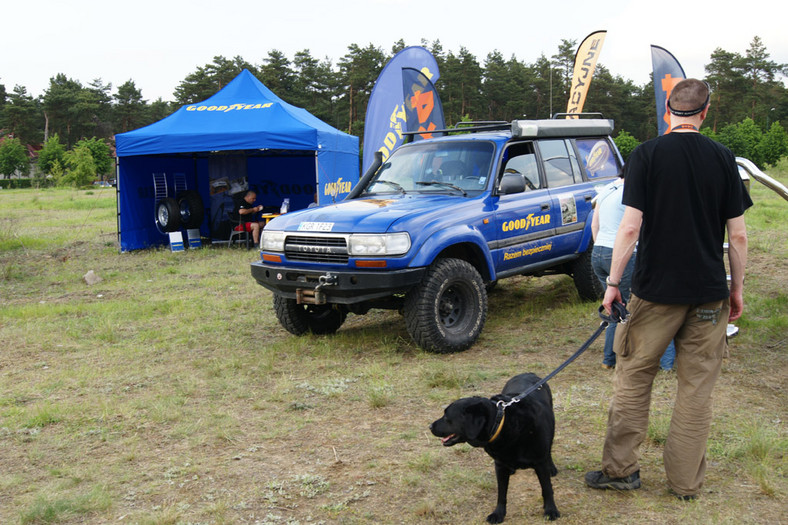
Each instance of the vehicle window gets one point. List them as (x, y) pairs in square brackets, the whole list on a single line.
[(522, 159), (461, 166), (573, 160), (598, 158), (557, 165)]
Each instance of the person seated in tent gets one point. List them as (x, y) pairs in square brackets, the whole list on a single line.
[(246, 208)]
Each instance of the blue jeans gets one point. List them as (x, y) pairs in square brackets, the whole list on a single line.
[(601, 259), (666, 363)]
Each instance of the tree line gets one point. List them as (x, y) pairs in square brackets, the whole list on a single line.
[(745, 86)]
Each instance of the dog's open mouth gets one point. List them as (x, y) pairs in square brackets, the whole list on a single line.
[(450, 440)]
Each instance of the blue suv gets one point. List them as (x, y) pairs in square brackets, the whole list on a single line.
[(429, 231)]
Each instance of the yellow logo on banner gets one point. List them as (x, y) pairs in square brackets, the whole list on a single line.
[(585, 63)]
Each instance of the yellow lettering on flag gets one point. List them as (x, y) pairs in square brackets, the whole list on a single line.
[(585, 64)]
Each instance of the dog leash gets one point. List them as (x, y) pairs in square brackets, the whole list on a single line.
[(618, 314)]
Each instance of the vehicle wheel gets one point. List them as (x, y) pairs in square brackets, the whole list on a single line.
[(298, 319), (446, 312), (168, 215), (191, 209), (586, 281)]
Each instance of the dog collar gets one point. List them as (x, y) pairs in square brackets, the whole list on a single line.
[(498, 424)]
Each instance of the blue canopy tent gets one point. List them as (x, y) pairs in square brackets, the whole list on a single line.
[(242, 137)]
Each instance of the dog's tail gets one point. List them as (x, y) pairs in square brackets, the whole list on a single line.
[(553, 469)]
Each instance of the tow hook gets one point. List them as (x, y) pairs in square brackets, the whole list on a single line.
[(316, 295)]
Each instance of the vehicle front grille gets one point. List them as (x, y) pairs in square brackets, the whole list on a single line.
[(319, 249)]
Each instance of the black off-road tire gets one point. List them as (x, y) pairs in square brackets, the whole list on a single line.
[(446, 312), (191, 209), (299, 319), (587, 283), (168, 215)]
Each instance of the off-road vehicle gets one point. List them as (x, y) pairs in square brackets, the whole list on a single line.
[(429, 231)]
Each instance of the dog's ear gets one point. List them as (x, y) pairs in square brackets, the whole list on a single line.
[(478, 419)]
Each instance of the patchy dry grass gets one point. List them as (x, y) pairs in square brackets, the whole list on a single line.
[(167, 393)]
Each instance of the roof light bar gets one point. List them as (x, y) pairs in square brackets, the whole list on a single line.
[(562, 128)]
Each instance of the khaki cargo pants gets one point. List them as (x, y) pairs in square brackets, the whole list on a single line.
[(699, 332)]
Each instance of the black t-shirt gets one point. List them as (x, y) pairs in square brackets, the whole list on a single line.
[(687, 187), (241, 204)]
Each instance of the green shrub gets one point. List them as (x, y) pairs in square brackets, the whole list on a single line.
[(773, 145), (13, 157), (625, 144), (15, 184)]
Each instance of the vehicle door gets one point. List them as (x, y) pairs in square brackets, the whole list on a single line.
[(570, 195), (524, 219)]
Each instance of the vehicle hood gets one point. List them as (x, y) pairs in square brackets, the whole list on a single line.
[(365, 215)]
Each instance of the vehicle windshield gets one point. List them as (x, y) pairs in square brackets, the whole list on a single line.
[(457, 167)]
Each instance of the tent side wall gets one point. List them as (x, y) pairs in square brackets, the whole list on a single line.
[(137, 197), (338, 172), (283, 177)]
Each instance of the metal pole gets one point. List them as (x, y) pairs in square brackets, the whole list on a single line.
[(551, 90)]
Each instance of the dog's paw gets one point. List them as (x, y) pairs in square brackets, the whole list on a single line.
[(552, 514), (497, 516)]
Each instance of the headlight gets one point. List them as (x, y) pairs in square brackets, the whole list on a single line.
[(272, 241), (369, 245)]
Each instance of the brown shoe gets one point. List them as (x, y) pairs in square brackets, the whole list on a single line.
[(608, 367), (598, 480)]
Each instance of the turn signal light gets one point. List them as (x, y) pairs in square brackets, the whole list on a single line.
[(370, 264)]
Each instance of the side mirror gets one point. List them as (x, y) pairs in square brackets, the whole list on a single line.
[(511, 182)]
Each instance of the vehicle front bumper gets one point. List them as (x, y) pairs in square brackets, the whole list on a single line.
[(331, 286)]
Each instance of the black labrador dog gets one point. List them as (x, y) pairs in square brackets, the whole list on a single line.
[(521, 436)]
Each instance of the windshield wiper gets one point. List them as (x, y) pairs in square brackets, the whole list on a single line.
[(444, 184), (390, 183)]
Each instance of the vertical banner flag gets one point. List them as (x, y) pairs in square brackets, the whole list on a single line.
[(387, 111), (667, 73), (423, 108), (585, 64)]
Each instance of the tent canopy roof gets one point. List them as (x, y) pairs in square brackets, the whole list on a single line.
[(244, 115)]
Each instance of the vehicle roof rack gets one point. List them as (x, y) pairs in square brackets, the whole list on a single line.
[(482, 123), (466, 127), (555, 127)]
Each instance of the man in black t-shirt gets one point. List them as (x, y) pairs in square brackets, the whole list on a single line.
[(247, 209), (682, 193)]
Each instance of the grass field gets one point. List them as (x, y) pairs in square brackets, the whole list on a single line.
[(167, 393)]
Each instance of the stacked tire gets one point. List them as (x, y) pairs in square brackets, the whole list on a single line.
[(185, 211)]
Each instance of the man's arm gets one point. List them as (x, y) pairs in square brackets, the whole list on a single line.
[(626, 239), (247, 211), (737, 257)]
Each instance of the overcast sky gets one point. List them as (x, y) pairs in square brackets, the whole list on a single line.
[(157, 43)]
